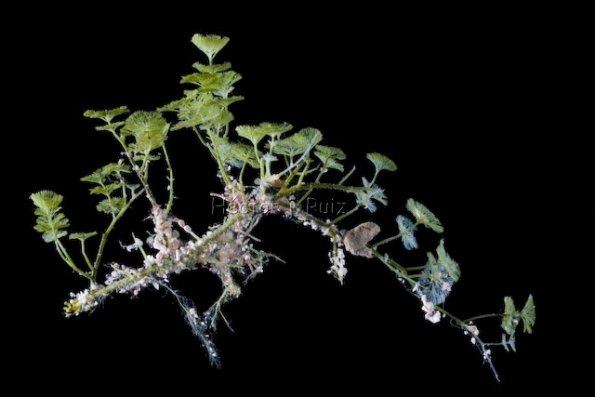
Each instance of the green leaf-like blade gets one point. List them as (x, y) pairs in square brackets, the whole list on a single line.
[(381, 162), (107, 172), (298, 143), (367, 197), (105, 190), (216, 68), (424, 216), (528, 315), (244, 154), (452, 267), (149, 130), (329, 157), (210, 44), (217, 83), (111, 205), (114, 169), (49, 237), (275, 130), (510, 318), (47, 201), (50, 221), (255, 133), (106, 115), (93, 178), (113, 127), (82, 236), (204, 111)]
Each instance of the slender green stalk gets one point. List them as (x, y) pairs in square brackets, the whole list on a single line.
[(295, 171), (63, 253), (306, 172), (144, 168), (201, 139), (415, 268), (303, 157), (344, 179), (321, 186), (387, 240), (217, 158), (392, 238), (345, 215), (375, 177), (85, 256), (136, 169), (170, 201), (107, 232), (489, 315), (259, 160), (309, 192)]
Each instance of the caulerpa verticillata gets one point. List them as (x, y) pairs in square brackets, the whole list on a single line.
[(283, 168)]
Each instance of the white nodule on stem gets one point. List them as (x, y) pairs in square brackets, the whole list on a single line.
[(431, 314)]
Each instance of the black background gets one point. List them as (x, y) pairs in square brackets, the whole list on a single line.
[(472, 109)]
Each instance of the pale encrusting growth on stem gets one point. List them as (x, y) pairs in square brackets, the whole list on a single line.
[(285, 167)]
